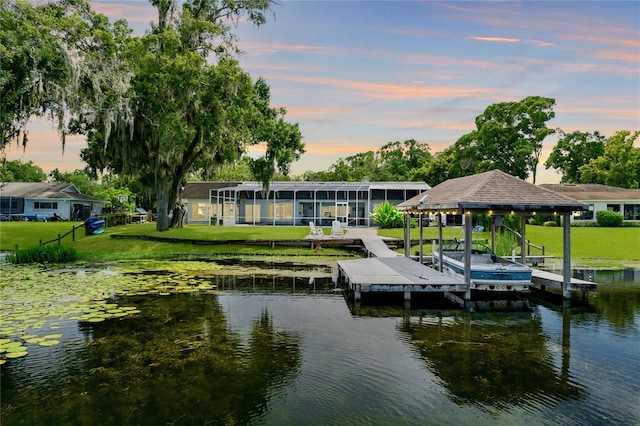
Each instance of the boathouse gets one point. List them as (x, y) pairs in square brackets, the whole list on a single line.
[(496, 194)]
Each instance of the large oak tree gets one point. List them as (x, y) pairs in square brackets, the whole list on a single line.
[(164, 104)]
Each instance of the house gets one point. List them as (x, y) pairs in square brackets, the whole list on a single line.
[(292, 203), (601, 197), (41, 200)]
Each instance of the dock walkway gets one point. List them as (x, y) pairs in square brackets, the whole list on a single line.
[(388, 271)]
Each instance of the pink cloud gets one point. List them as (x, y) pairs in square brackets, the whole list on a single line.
[(512, 40)]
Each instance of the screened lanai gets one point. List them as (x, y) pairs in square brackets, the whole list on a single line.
[(298, 203)]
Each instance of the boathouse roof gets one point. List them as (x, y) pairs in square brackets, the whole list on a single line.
[(494, 191)]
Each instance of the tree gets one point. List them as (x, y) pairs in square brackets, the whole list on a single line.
[(398, 160), (394, 161), (34, 70), (508, 137), (573, 151), (80, 178), (619, 165), (171, 113), (17, 171)]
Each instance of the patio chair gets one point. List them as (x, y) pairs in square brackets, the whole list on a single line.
[(315, 231), (336, 229)]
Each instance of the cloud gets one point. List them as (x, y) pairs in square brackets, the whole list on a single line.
[(389, 91), (135, 12), (512, 40)]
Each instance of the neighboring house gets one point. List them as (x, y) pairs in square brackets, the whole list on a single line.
[(40, 200), (601, 197), (293, 203)]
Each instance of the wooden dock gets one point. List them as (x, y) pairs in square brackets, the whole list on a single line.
[(540, 280), (386, 271)]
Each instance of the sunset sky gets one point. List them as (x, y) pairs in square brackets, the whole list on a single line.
[(358, 74)]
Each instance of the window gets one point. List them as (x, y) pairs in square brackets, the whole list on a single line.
[(632, 212), (584, 215), (45, 205), (199, 211)]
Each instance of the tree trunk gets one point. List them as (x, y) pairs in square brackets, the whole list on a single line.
[(162, 200)]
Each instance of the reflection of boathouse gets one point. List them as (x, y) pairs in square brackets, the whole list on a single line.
[(293, 203)]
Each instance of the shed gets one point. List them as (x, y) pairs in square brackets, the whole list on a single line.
[(494, 193)]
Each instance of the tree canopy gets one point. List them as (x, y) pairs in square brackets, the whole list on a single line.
[(157, 106), (619, 165), (574, 150), (394, 161), (17, 171), (34, 69)]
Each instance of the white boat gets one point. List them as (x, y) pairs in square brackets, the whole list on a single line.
[(488, 271)]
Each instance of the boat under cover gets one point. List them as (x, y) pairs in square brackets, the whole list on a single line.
[(488, 271)]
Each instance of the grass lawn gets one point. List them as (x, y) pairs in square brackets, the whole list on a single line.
[(586, 242), (103, 247), (609, 244)]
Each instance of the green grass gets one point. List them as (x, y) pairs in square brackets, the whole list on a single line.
[(103, 247), (610, 244), (586, 242)]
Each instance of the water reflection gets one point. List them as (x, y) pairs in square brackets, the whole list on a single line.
[(277, 349), (495, 360), (178, 363)]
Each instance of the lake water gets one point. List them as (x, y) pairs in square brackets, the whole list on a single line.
[(276, 350)]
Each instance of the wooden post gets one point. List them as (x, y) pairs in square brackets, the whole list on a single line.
[(59, 240), (467, 254), (566, 255), (73, 234), (440, 242), (523, 242), (421, 218), (493, 234), (407, 235)]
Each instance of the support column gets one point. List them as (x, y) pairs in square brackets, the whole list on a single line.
[(421, 219), (407, 235), (467, 255), (523, 242), (440, 242), (566, 255)]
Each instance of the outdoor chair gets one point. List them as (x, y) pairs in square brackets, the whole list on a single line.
[(315, 231), (336, 229)]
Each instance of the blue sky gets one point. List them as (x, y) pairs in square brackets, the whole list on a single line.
[(358, 74)]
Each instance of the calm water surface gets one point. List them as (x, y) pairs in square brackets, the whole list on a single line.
[(273, 350)]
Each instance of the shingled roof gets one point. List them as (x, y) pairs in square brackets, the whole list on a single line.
[(494, 190), (594, 192), (45, 190)]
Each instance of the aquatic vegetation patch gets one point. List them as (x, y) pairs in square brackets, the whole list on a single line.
[(36, 300), (43, 254)]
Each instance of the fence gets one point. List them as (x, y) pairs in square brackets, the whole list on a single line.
[(60, 237)]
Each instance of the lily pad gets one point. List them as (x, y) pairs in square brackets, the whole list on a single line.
[(52, 336), (49, 343), (16, 354)]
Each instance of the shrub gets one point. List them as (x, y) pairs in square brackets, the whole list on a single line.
[(550, 223), (609, 218), (43, 254), (387, 216)]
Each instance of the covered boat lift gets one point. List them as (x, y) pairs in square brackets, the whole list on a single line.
[(497, 194)]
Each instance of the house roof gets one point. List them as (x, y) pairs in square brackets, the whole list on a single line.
[(494, 190), (200, 190), (44, 190), (593, 192)]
